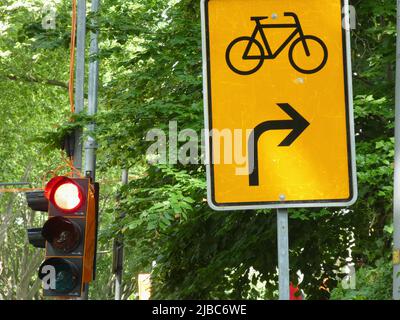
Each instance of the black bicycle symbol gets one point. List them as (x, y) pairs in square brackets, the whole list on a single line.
[(305, 40)]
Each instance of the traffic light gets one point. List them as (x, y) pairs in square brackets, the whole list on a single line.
[(70, 235)]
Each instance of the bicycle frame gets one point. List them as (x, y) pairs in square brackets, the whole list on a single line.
[(260, 29)]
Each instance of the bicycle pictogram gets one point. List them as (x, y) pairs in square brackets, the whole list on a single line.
[(306, 41)]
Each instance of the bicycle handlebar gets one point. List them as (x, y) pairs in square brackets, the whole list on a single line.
[(292, 14)]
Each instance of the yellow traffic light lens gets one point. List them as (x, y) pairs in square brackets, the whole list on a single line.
[(67, 196)]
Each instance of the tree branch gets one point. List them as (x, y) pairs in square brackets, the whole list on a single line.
[(366, 81), (31, 79)]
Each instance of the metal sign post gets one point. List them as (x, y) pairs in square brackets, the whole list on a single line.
[(283, 253)]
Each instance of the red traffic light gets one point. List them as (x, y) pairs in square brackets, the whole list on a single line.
[(65, 194)]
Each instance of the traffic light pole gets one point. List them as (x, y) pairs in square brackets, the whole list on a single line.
[(283, 253), (80, 77), (80, 86), (90, 143), (396, 198)]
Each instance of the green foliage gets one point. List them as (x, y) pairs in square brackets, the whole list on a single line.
[(199, 253), (372, 283), (151, 74), (54, 139)]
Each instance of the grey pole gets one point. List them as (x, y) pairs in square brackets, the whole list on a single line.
[(396, 198), (80, 77), (90, 144), (80, 89), (283, 253), (119, 251)]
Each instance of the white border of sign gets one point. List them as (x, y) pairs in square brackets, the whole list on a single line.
[(351, 128)]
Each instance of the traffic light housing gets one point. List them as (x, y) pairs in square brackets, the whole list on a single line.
[(37, 202), (70, 236)]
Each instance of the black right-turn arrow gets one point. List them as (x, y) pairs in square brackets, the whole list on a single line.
[(298, 124)]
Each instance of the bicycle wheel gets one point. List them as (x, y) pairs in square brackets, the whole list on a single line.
[(313, 63), (235, 52)]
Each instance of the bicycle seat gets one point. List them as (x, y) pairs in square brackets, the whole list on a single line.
[(258, 18)]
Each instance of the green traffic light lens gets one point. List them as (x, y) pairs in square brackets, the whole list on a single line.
[(66, 279), (66, 275)]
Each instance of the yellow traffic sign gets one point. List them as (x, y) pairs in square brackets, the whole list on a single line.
[(278, 104)]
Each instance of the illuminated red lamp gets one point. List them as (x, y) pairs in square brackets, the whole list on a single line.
[(65, 194)]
